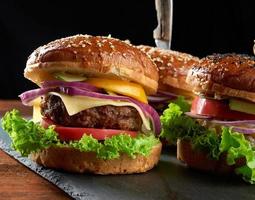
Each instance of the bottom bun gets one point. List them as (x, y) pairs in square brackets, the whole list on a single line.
[(72, 160), (200, 160)]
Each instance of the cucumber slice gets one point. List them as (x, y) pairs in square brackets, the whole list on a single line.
[(242, 106), (69, 77)]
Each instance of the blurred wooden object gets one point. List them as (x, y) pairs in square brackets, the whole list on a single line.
[(6, 105), (18, 182)]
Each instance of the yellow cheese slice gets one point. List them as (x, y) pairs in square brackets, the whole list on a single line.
[(37, 117)]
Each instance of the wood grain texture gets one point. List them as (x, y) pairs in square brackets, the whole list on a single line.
[(6, 105), (18, 182)]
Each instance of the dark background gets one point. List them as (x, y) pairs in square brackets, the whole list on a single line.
[(200, 28)]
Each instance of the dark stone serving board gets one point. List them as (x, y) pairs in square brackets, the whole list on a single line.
[(169, 180)]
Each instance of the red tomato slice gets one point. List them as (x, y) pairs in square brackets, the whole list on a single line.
[(76, 133), (218, 109)]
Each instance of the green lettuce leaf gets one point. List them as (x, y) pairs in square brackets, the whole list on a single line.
[(112, 147), (208, 142), (177, 125), (183, 104), (238, 147), (28, 137)]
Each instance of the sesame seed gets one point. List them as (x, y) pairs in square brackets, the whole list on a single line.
[(87, 42), (158, 59), (99, 44), (75, 45)]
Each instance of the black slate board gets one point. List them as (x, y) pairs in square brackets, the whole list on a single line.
[(169, 180)]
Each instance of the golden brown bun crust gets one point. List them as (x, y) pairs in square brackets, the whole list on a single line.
[(224, 74), (173, 67), (72, 160), (93, 56), (199, 160)]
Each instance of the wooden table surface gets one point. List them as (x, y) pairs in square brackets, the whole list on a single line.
[(17, 181)]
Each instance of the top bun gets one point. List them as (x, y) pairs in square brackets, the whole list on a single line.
[(224, 75), (173, 67), (92, 56)]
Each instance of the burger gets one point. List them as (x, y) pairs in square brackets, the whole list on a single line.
[(90, 112), (173, 67), (218, 134)]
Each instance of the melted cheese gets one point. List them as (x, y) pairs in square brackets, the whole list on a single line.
[(37, 117), (76, 104)]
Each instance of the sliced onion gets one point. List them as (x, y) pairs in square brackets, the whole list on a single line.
[(28, 96), (237, 122), (244, 130), (162, 97), (76, 84), (158, 99), (167, 94), (196, 116), (241, 126)]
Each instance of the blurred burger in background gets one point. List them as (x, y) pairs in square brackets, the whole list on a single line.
[(91, 112), (218, 134), (173, 67)]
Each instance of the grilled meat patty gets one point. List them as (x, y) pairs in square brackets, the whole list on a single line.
[(105, 117)]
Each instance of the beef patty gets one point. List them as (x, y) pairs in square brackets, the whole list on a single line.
[(107, 117)]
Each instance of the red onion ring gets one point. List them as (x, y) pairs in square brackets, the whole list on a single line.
[(167, 94), (237, 122), (243, 130), (158, 99), (196, 116)]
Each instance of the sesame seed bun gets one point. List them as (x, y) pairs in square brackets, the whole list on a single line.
[(173, 68), (225, 75), (92, 57), (69, 159)]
